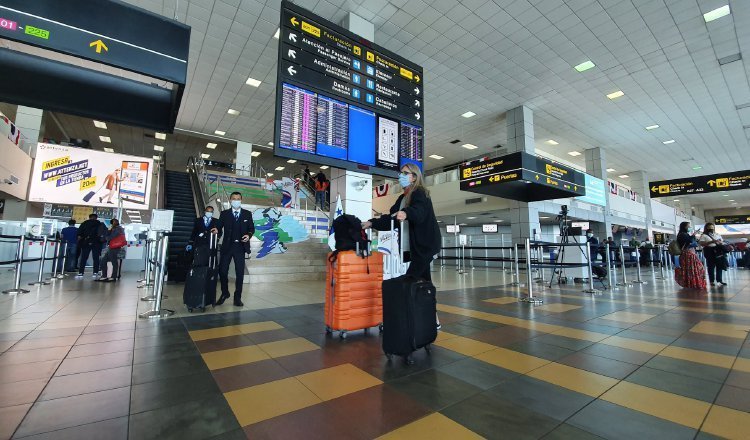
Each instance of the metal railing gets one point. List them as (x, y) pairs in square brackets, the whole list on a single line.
[(156, 264), (21, 242)]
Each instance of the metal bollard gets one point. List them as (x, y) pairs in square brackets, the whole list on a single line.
[(529, 282), (517, 282), (54, 261), (61, 275), (462, 261), (591, 272), (39, 281), (612, 274), (146, 266), (19, 266), (486, 254), (638, 279), (540, 252), (147, 281), (624, 282), (158, 312)]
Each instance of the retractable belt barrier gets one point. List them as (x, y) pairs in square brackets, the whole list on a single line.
[(18, 262), (159, 261)]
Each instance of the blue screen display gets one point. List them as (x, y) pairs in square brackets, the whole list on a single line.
[(361, 136)]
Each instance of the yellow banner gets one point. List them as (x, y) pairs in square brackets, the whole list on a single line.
[(88, 183), (54, 163)]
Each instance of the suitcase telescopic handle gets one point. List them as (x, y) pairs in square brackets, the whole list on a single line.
[(212, 244)]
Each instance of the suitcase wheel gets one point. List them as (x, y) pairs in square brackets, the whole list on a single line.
[(389, 356), (428, 348), (342, 334), (329, 330), (408, 360), (380, 327), (190, 309), (203, 309)]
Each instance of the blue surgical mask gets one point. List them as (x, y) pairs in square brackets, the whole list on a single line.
[(690, 230), (404, 180), (208, 214), (236, 204)]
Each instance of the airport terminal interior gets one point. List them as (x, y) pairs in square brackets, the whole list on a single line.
[(374, 219)]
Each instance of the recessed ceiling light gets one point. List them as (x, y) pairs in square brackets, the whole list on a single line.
[(324, 167), (220, 133), (279, 168), (158, 148), (469, 114), (671, 141), (731, 200), (652, 127), (156, 157), (697, 167), (616, 94), (676, 200), (725, 195), (462, 224), (716, 13), (470, 146), (611, 170), (553, 142), (276, 35), (269, 174), (270, 144), (623, 176), (108, 150), (252, 82), (435, 156), (205, 155), (105, 139), (470, 218), (497, 221), (161, 136), (543, 218), (584, 66), (211, 145), (292, 161), (574, 153), (99, 124), (255, 153), (734, 203), (233, 112)]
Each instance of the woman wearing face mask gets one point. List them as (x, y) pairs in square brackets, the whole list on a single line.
[(713, 251), (202, 227), (690, 274), (115, 253), (421, 232)]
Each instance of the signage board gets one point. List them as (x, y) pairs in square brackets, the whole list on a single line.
[(732, 219), (595, 191), (74, 176), (522, 176), (105, 31), (701, 184), (660, 238), (344, 101), (453, 229), (490, 228), (585, 226)]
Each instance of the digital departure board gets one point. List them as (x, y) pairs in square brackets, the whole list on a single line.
[(344, 101)]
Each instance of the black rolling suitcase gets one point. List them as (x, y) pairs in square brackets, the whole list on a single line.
[(409, 312), (200, 284)]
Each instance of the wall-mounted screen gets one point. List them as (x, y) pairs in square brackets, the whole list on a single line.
[(489, 229), (582, 225), (343, 101)]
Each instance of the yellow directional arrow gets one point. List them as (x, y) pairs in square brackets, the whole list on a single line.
[(711, 182), (416, 78), (537, 177), (98, 45), (294, 21)]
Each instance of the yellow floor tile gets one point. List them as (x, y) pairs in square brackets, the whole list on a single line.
[(262, 402), (678, 409), (502, 300), (442, 336), (557, 308), (634, 344), (233, 330), (433, 427), (583, 335), (512, 360), (716, 311), (628, 317), (742, 364), (288, 347), (465, 346), (581, 381), (234, 356), (698, 356), (338, 381), (728, 423), (721, 329)]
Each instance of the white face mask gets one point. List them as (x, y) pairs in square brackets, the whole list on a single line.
[(589, 235), (236, 204), (404, 180), (209, 214)]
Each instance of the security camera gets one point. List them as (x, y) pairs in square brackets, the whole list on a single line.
[(359, 186), (8, 181)]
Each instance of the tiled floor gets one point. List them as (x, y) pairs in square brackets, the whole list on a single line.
[(648, 361)]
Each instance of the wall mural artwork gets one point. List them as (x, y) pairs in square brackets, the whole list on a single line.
[(275, 230)]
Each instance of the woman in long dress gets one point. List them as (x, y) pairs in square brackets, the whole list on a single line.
[(690, 274)]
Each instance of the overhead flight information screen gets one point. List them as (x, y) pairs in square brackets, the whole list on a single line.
[(343, 101)]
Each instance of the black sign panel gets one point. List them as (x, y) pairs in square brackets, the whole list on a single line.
[(732, 219), (521, 176), (701, 184), (105, 31), (659, 238)]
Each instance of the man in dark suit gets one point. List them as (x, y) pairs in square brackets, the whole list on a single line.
[(236, 225), (202, 227)]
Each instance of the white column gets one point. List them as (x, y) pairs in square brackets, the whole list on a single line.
[(243, 158), (596, 165), (359, 26), (29, 121), (524, 216), (639, 184)]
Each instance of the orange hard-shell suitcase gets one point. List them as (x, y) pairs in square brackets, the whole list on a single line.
[(354, 292)]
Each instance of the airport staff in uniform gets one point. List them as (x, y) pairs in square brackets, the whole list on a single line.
[(202, 227), (236, 225)]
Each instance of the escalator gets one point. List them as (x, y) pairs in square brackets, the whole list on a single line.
[(179, 198)]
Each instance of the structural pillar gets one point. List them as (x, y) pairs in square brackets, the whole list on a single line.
[(524, 215), (639, 184), (243, 157), (596, 165), (29, 122)]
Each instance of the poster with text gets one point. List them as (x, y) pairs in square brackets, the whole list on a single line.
[(77, 176)]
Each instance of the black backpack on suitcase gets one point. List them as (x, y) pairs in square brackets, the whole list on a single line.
[(409, 316)]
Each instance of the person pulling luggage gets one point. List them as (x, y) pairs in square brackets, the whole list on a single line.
[(420, 229), (236, 224), (199, 237)]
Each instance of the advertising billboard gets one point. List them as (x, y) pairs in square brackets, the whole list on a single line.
[(74, 176)]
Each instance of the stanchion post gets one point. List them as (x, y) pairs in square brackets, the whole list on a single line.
[(611, 280), (39, 281), (54, 260), (146, 264), (529, 282), (638, 279), (61, 274), (661, 262), (540, 252), (517, 282), (158, 312), (19, 266), (486, 254), (624, 282), (591, 288), (150, 255)]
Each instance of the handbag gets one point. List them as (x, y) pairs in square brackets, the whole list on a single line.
[(118, 242), (674, 248)]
